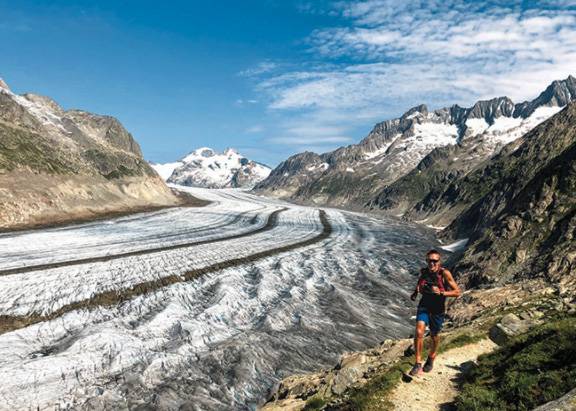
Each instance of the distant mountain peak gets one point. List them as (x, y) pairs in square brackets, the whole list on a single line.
[(394, 147), (491, 109), (230, 151), (203, 152), (558, 93), (204, 167), (420, 109), (3, 84)]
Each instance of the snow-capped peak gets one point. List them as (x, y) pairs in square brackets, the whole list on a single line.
[(231, 152), (198, 153), (204, 167), (3, 84)]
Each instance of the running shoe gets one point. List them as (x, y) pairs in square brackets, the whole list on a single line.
[(416, 370), (429, 364)]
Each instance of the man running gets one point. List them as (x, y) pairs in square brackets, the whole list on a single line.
[(435, 283)]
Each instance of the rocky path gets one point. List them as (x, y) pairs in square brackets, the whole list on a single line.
[(437, 389)]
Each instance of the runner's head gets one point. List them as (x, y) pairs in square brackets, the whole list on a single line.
[(433, 260)]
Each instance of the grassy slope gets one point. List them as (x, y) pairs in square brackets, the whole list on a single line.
[(532, 369)]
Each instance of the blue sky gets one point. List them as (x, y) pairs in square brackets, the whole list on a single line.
[(273, 78)]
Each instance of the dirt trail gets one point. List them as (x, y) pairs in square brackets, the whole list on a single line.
[(437, 389)]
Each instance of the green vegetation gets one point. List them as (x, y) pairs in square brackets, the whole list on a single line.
[(532, 369), (23, 148), (112, 164), (374, 395), (314, 403), (460, 340)]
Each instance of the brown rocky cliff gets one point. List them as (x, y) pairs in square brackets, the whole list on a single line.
[(58, 165)]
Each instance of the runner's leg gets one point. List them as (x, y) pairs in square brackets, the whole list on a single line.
[(434, 346), (419, 340), (436, 323)]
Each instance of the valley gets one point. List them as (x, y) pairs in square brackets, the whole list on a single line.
[(208, 306)]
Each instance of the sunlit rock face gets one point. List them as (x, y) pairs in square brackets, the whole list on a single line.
[(58, 165)]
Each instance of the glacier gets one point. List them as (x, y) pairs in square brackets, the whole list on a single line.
[(293, 301)]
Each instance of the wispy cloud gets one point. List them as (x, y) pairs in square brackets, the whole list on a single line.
[(261, 68), (317, 141), (304, 132), (391, 55), (242, 102), (254, 129)]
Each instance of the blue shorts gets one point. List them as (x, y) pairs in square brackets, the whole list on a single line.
[(434, 321)]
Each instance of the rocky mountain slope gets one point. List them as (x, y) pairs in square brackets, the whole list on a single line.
[(519, 268), (525, 222), (61, 165), (206, 168), (427, 192), (403, 160)]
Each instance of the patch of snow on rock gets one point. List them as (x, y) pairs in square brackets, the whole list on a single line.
[(456, 246), (166, 170)]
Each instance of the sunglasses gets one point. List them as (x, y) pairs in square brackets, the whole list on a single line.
[(433, 261)]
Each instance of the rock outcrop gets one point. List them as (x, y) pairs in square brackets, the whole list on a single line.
[(62, 165), (510, 326), (565, 403), (353, 370)]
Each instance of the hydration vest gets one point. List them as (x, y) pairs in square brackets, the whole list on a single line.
[(437, 278), (434, 303)]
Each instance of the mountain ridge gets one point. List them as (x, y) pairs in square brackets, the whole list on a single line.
[(357, 176), (66, 165), (204, 167)]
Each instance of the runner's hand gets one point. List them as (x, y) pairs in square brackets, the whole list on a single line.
[(414, 295), (435, 290)]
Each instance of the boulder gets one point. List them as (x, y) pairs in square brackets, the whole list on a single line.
[(509, 326), (565, 403)]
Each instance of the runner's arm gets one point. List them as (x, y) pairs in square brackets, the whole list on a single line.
[(417, 289), (454, 289)]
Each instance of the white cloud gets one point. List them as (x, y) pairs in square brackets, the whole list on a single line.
[(396, 54), (254, 129), (261, 68), (242, 102), (310, 131)]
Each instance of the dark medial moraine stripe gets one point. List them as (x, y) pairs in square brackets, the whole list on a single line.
[(108, 298), (269, 224)]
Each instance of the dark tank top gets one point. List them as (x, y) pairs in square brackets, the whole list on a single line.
[(434, 303)]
